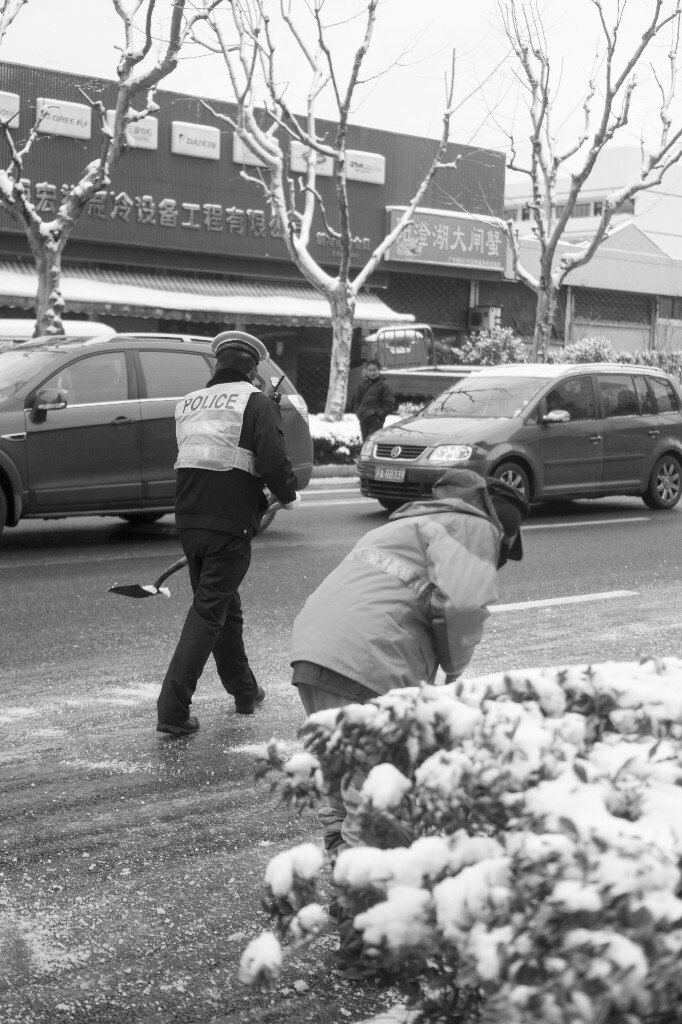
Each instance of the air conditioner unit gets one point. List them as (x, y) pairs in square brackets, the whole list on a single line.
[(484, 318)]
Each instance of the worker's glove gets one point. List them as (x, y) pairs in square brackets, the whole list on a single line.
[(291, 505)]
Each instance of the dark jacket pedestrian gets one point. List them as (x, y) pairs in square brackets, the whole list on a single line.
[(230, 443), (373, 400), (411, 596)]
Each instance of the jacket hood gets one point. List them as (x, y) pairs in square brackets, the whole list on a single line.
[(459, 488)]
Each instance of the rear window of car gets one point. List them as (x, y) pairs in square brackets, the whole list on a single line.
[(487, 397), (665, 396), (173, 374)]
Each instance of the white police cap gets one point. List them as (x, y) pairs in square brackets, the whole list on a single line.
[(242, 342)]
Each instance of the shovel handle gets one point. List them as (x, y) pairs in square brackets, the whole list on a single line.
[(180, 564)]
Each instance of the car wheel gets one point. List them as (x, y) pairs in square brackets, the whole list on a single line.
[(515, 475), (390, 506), (266, 521), (143, 518), (3, 510), (665, 484)]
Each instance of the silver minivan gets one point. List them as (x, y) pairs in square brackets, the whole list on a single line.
[(552, 431)]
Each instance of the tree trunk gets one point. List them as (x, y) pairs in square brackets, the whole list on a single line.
[(342, 303), (49, 301), (544, 320)]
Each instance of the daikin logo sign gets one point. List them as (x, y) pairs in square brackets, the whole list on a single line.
[(195, 140), (60, 118), (9, 109), (142, 134)]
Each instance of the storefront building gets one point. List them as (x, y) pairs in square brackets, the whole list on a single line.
[(182, 241)]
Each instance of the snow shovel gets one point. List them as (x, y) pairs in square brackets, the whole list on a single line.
[(138, 590), (152, 589)]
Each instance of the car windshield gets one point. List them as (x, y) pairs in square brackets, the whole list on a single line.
[(18, 366), (486, 397)]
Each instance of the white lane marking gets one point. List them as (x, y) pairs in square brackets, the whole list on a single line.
[(576, 599), (590, 522), (331, 490), (341, 501)]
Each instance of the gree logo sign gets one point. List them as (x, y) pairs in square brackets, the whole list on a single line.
[(197, 140), (60, 118)]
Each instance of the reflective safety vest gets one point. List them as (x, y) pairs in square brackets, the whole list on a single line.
[(208, 424)]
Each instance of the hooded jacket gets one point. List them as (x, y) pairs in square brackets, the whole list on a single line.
[(411, 595)]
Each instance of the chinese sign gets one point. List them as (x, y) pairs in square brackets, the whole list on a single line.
[(167, 213), (434, 236), (57, 117), (142, 134), (241, 154)]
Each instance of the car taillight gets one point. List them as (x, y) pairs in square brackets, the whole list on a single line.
[(299, 404)]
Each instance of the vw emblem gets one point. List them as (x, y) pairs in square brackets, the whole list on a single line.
[(395, 452)]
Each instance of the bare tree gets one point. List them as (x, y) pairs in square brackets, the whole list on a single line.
[(8, 12), (250, 42), (47, 238), (606, 111)]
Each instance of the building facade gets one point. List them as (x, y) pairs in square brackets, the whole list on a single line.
[(631, 290), (183, 240)]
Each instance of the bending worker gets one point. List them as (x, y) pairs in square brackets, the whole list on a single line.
[(411, 596), (230, 443)]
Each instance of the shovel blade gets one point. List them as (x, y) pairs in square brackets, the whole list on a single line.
[(132, 590)]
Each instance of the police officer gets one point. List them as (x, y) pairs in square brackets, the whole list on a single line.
[(230, 443)]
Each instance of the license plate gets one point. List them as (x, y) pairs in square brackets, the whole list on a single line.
[(395, 475)]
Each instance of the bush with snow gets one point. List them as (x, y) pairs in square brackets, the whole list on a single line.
[(339, 442), (492, 347), (524, 844)]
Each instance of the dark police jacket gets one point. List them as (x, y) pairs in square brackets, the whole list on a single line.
[(231, 427)]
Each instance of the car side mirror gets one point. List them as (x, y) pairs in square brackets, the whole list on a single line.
[(47, 400), (557, 416)]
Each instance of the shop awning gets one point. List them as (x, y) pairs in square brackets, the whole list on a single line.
[(156, 296)]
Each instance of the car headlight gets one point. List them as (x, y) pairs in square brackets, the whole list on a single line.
[(451, 453), (367, 448)]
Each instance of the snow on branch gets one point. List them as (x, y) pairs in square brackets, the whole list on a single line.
[(9, 9)]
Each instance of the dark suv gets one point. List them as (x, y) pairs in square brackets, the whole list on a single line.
[(552, 431), (88, 427)]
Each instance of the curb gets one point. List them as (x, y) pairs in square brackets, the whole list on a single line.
[(326, 471)]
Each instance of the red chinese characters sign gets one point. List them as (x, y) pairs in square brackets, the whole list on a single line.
[(464, 240)]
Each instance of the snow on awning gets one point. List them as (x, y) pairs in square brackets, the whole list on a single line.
[(156, 296)]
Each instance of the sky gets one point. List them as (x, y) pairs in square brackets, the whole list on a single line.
[(411, 51)]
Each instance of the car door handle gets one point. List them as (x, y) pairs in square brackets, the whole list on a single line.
[(596, 438), (654, 433), (123, 421)]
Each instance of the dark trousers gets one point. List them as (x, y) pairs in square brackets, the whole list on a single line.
[(217, 564), (369, 424)]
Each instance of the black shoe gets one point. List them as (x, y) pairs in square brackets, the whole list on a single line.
[(247, 706), (190, 725)]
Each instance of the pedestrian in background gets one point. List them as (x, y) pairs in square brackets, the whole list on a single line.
[(411, 596), (230, 443), (373, 400)]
